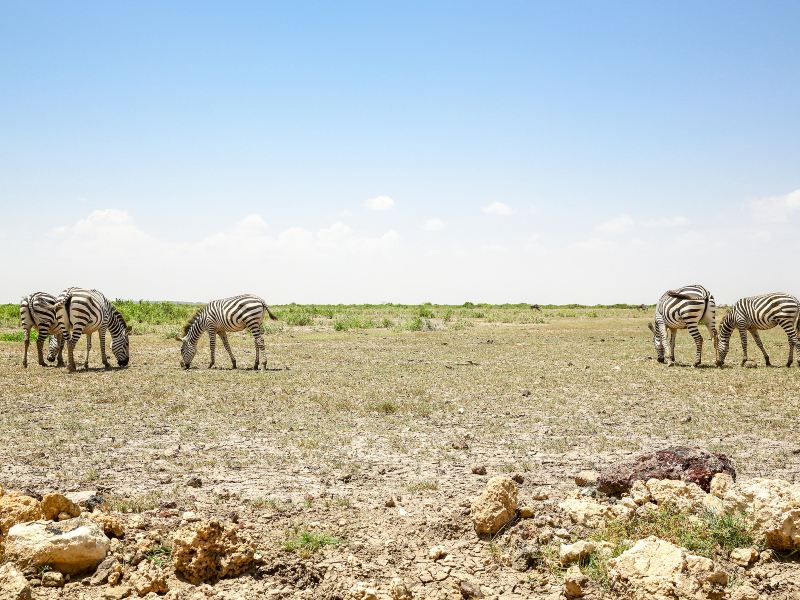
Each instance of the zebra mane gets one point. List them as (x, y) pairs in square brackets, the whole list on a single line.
[(120, 315), (192, 319)]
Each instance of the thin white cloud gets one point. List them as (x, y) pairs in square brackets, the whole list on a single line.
[(776, 209), (677, 221), (617, 225), (342, 262), (498, 208), (434, 224), (380, 203)]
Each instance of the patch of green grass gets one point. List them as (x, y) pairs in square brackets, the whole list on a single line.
[(353, 322), (417, 324), (704, 534), (18, 336), (298, 318), (305, 543), (595, 566), (425, 311), (159, 555)]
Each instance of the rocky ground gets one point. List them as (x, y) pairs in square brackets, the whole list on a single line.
[(352, 468)]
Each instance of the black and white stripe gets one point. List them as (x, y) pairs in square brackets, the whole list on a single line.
[(684, 308), (38, 310), (758, 313), (219, 317), (85, 311)]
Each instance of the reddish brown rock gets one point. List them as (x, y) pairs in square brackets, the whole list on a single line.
[(679, 462)]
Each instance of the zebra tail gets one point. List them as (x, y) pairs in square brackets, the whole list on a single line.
[(674, 294), (269, 312), (64, 304)]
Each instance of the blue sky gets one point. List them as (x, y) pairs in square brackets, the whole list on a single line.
[(573, 151)]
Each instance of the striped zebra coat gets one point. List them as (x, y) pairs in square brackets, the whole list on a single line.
[(82, 311), (684, 308), (219, 317), (759, 313), (38, 311)]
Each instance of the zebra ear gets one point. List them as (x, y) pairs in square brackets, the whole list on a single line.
[(650, 327), (129, 328), (178, 338)]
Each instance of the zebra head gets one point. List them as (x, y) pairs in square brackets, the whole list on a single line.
[(657, 342), (120, 346), (188, 350), (53, 348), (726, 326)]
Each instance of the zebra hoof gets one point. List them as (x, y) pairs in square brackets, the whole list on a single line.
[(24, 365)]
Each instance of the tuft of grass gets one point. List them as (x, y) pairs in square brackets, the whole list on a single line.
[(421, 486), (270, 504), (135, 504), (417, 324), (704, 534), (305, 543), (384, 407), (425, 311), (159, 555)]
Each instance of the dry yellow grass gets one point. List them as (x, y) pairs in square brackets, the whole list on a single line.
[(346, 419)]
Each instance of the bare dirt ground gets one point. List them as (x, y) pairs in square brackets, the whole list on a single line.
[(370, 437)]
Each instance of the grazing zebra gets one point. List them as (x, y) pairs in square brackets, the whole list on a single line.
[(684, 308), (39, 310), (86, 311), (223, 316), (761, 312)]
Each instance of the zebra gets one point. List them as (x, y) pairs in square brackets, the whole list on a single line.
[(85, 311), (39, 310), (684, 308), (761, 312), (223, 316)]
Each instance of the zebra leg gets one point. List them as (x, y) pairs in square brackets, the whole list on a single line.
[(212, 341), (40, 344), (259, 340), (743, 335), (673, 333), (88, 349), (662, 341), (757, 338), (101, 333), (71, 343), (698, 342), (60, 362), (794, 343), (224, 337), (712, 330), (27, 343)]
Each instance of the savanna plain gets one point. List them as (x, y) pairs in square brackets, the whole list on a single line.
[(350, 465)]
